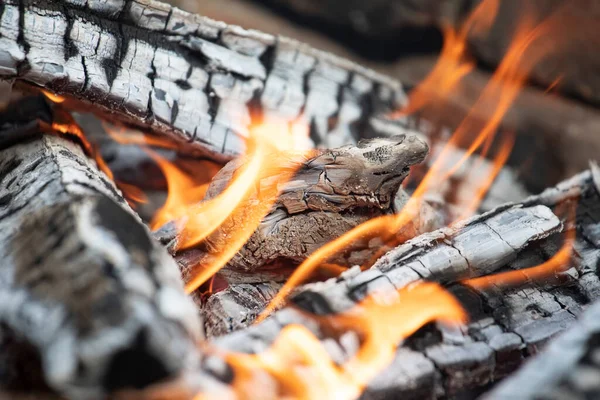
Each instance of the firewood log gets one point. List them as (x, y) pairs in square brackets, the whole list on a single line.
[(506, 325), (89, 302), (199, 81), (332, 192), (567, 369)]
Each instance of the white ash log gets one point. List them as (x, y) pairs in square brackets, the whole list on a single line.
[(506, 326), (199, 81), (97, 304), (569, 367)]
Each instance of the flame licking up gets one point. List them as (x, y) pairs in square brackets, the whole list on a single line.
[(268, 145), (454, 61), (498, 95), (302, 368)]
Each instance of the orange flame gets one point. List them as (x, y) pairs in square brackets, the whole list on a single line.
[(124, 135), (182, 192), (454, 62), (53, 97), (498, 162), (132, 193), (266, 143), (301, 367), (498, 95), (69, 127)]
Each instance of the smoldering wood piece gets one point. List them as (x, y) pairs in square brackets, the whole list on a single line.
[(199, 81), (332, 192), (569, 367), (506, 325), (83, 286)]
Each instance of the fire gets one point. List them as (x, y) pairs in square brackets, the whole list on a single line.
[(123, 135), (182, 192), (301, 367), (53, 97), (498, 162), (498, 95), (454, 62), (268, 145)]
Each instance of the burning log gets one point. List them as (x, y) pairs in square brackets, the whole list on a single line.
[(199, 81), (330, 193), (507, 324), (567, 368), (89, 303)]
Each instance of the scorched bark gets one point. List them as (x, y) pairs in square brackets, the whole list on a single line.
[(200, 81)]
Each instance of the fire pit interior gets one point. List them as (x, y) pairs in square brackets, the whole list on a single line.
[(299, 199)]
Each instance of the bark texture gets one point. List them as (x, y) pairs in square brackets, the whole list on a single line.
[(331, 192), (200, 81), (89, 303), (567, 369)]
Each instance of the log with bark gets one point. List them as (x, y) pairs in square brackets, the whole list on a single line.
[(507, 324), (199, 81), (89, 302), (331, 192)]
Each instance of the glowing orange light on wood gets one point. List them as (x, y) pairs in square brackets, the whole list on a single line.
[(267, 142), (302, 368)]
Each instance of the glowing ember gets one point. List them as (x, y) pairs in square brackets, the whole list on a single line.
[(301, 367)]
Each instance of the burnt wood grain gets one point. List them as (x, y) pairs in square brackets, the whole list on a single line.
[(199, 81)]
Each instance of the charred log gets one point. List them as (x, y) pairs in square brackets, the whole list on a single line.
[(197, 80), (567, 369), (507, 325), (87, 296)]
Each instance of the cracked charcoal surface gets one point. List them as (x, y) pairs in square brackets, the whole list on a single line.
[(200, 81), (79, 269), (567, 368)]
